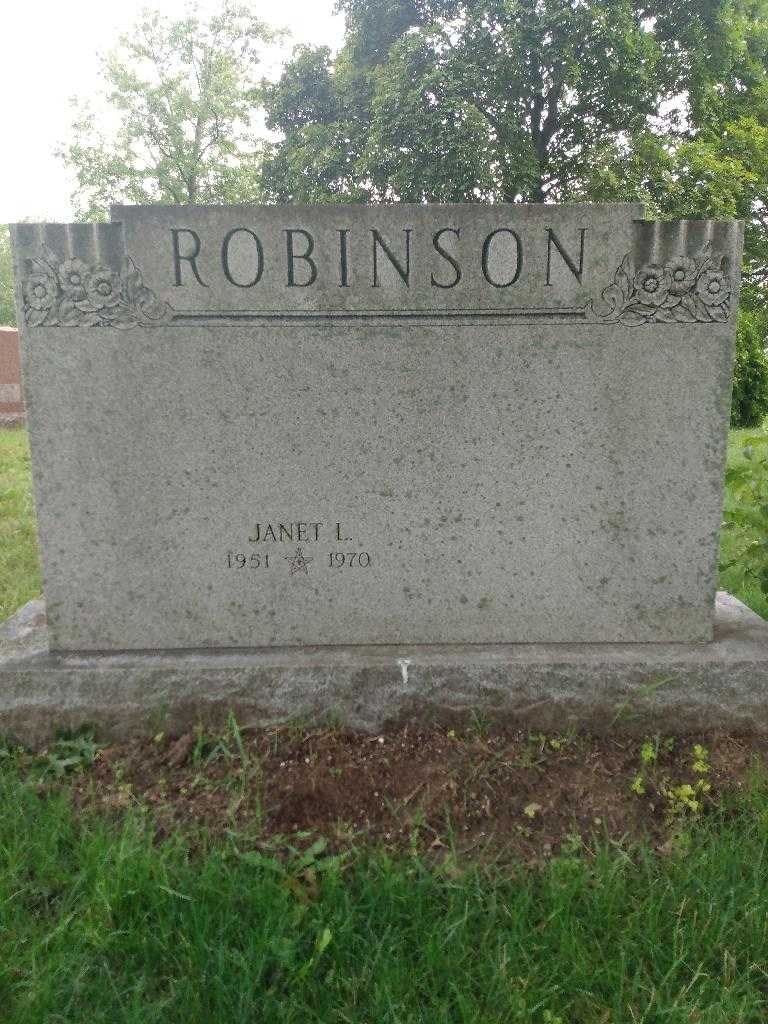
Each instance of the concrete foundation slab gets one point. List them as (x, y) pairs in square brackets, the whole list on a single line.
[(668, 687)]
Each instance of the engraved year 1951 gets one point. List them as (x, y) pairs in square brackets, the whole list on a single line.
[(239, 560)]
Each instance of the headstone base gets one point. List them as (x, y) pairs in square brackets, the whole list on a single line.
[(665, 687)]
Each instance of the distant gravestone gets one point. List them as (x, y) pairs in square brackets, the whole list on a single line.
[(11, 399), (377, 425)]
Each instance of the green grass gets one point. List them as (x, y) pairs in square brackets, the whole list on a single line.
[(100, 923), (19, 571), (731, 542), (20, 575)]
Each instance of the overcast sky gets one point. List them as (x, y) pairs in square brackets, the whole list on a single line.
[(50, 53)]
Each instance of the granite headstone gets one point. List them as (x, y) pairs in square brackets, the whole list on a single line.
[(377, 425)]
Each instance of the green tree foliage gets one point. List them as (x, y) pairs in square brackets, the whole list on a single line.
[(182, 94), (462, 100), (750, 376), (746, 516), (7, 307)]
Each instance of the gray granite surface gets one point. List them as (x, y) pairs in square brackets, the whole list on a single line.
[(393, 425)]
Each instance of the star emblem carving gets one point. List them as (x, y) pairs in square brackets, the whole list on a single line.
[(299, 563)]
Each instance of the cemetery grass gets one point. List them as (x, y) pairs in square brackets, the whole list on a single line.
[(731, 542), (107, 916), (19, 572)]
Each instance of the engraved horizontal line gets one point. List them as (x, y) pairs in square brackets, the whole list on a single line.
[(254, 316)]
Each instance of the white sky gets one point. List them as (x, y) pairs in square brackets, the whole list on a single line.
[(50, 53)]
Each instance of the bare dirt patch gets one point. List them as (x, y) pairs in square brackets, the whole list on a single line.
[(493, 792)]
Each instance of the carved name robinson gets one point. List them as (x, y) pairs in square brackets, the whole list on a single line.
[(302, 266), (178, 265)]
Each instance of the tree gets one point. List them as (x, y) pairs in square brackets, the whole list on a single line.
[(182, 92), (7, 307), (462, 100), (749, 407)]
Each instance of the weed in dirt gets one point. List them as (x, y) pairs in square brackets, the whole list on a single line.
[(480, 725), (682, 789), (69, 754)]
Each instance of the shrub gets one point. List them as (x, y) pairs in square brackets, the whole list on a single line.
[(746, 513), (749, 406)]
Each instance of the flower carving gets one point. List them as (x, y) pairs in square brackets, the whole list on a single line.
[(653, 283), (70, 293), (73, 275), (713, 288), (683, 290), (682, 270), (103, 288), (40, 292)]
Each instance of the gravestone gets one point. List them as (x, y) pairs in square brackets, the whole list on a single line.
[(356, 426), (11, 398), (341, 425)]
